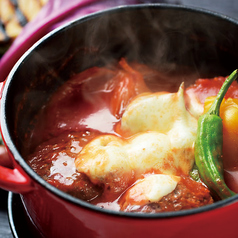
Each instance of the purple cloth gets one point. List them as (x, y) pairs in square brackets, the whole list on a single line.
[(53, 14)]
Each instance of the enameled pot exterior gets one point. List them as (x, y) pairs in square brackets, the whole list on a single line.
[(178, 41), (49, 211)]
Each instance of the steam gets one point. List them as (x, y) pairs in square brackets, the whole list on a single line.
[(180, 43)]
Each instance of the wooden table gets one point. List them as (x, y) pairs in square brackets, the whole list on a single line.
[(226, 7)]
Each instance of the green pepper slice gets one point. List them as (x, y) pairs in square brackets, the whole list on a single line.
[(208, 145)]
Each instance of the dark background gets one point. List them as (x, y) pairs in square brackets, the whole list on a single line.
[(226, 7)]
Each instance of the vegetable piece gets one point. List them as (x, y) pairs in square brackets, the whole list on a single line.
[(229, 115), (194, 174), (127, 84), (208, 145)]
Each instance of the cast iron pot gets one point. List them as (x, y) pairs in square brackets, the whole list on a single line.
[(178, 41)]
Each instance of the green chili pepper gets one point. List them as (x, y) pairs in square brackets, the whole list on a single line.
[(208, 145)]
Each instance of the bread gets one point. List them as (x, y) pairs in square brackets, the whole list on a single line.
[(14, 15)]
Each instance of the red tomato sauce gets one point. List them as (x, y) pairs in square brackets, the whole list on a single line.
[(204, 88), (90, 104)]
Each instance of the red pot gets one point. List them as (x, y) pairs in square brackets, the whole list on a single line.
[(179, 41)]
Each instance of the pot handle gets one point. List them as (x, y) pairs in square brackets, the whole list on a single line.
[(12, 176)]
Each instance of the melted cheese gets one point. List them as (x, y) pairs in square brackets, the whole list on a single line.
[(157, 112), (148, 190), (162, 139), (195, 107), (103, 156)]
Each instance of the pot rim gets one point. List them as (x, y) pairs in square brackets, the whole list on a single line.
[(17, 157)]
